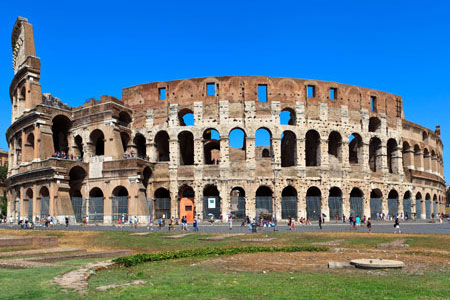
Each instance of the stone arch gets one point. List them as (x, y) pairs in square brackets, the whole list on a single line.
[(238, 144), (335, 203), (162, 146), (162, 203), (289, 203), (288, 149), (186, 143), (79, 147), (211, 147), (98, 142), (60, 131), (374, 124), (335, 147), (312, 148), (186, 117), (356, 202), (288, 116), (264, 201), (426, 159), (77, 175), (141, 147), (125, 139), (211, 202), (237, 202), (314, 203), (28, 204), (418, 158), (146, 175), (355, 149), (124, 119), (392, 156), (120, 199), (375, 154), (263, 141), (96, 205), (393, 199), (406, 152)]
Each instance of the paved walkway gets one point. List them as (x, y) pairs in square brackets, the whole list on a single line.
[(379, 227)]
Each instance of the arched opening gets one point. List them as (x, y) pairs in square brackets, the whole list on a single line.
[(96, 207), (28, 204), (313, 203), (289, 202), (45, 202), (288, 149), (355, 149), (263, 143), (375, 154), (162, 146), (79, 147), (186, 142), (237, 143), (211, 147), (29, 148), (120, 204), (433, 167), (374, 124), (426, 160), (428, 206), (264, 202), (287, 117), (162, 203), (312, 148), (125, 139), (392, 156), (124, 119), (60, 130), (335, 148), (146, 174), (237, 203), (187, 208), (356, 203), (335, 203), (424, 136), (18, 149), (434, 206), (418, 158), (211, 202), (141, 148), (76, 177), (419, 205), (407, 152), (376, 204), (393, 203), (407, 205), (186, 117), (98, 142)]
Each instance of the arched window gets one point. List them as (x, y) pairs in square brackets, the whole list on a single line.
[(98, 141), (124, 119), (125, 138), (335, 147), (186, 142), (79, 146), (355, 149), (141, 148), (237, 143), (263, 143), (287, 117), (186, 117), (263, 201), (375, 154), (162, 146), (288, 149), (312, 148), (417, 158), (289, 203), (211, 202), (374, 124), (211, 147), (313, 203), (60, 130), (391, 156), (237, 203)]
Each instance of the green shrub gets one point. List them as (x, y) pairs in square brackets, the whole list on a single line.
[(136, 259)]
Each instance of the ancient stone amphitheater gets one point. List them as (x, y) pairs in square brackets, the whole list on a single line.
[(245, 145)]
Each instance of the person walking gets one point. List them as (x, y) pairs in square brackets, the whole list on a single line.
[(397, 226), (369, 225), (230, 221), (320, 222), (67, 221)]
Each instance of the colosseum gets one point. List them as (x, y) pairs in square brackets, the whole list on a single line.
[(241, 145)]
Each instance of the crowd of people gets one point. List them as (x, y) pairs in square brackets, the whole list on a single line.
[(64, 155)]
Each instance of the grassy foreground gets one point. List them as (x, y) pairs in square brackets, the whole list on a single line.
[(204, 278)]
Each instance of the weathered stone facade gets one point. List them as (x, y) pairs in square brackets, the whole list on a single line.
[(344, 150)]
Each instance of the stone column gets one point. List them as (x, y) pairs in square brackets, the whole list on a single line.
[(198, 151), (250, 152), (423, 212), (324, 159), (301, 162), (384, 166), (37, 140)]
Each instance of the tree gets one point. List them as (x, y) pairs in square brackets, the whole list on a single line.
[(3, 173)]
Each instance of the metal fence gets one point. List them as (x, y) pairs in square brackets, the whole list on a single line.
[(407, 203), (289, 207), (418, 209), (356, 206), (96, 210), (120, 209), (393, 207), (376, 206), (79, 208), (211, 207), (45, 207), (434, 209), (30, 210), (238, 207), (263, 205), (428, 209), (162, 208), (335, 206), (313, 208)]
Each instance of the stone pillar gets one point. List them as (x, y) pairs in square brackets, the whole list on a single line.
[(276, 148), (37, 140), (23, 146), (423, 212), (365, 155), (419, 158), (224, 199), (324, 159), (384, 166), (345, 154), (301, 161), (224, 152), (250, 152), (325, 206), (198, 200), (198, 151), (346, 204), (151, 152)]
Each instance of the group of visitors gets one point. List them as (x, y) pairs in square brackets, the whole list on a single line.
[(64, 155), (132, 154)]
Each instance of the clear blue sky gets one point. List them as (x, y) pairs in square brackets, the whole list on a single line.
[(91, 48)]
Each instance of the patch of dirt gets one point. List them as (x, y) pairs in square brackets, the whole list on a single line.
[(221, 236), (329, 244), (318, 261), (113, 286), (262, 240), (395, 245)]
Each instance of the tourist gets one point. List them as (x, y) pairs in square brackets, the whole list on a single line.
[(150, 223), (358, 222), (289, 223), (397, 226), (369, 225), (350, 220), (11, 220), (230, 221), (67, 221), (195, 225), (160, 223), (343, 218), (320, 223), (337, 218), (293, 225)]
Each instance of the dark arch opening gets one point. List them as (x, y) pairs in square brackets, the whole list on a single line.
[(124, 119), (374, 124), (287, 116), (312, 148), (60, 130), (120, 191), (335, 203), (289, 203), (162, 203), (76, 176), (186, 117), (237, 143), (237, 202), (375, 154), (125, 138), (162, 146), (211, 146), (98, 141), (79, 146), (355, 149), (264, 202), (141, 148), (96, 193), (146, 174), (186, 142), (335, 147), (288, 149), (391, 156), (356, 193)]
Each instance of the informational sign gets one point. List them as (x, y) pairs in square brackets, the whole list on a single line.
[(211, 202)]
